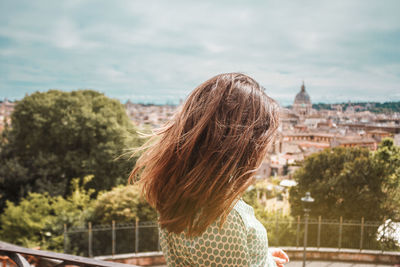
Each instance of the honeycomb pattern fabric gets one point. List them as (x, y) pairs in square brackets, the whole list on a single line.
[(242, 241)]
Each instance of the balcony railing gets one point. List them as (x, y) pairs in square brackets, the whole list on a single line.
[(58, 259), (98, 240)]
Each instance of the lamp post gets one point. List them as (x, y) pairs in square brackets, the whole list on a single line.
[(307, 200)]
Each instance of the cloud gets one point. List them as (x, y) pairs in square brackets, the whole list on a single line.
[(65, 35), (159, 51)]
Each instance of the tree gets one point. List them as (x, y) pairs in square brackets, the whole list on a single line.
[(123, 204), (38, 219), (56, 136), (352, 183), (346, 182), (388, 157), (26, 223)]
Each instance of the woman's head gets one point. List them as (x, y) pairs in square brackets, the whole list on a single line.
[(204, 159)]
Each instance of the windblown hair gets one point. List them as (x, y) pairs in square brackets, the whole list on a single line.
[(195, 169)]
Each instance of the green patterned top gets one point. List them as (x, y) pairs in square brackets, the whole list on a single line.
[(242, 241)]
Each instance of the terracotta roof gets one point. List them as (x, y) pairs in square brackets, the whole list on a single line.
[(310, 134), (357, 141)]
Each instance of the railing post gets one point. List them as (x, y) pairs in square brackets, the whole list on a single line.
[(158, 239), (298, 231), (276, 229), (90, 240), (65, 239), (113, 238), (319, 232), (362, 233), (305, 236), (340, 232), (137, 235)]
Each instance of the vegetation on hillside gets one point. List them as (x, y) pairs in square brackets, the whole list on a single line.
[(376, 107)]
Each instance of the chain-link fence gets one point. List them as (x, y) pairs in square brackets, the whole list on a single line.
[(143, 236)]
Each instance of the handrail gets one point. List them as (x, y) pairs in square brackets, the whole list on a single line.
[(14, 252)]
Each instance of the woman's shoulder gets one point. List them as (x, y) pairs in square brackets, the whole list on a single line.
[(243, 207), (245, 211)]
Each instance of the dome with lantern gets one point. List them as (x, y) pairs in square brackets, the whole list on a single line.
[(302, 97), (302, 102)]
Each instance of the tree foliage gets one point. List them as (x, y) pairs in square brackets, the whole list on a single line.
[(376, 107), (123, 204), (348, 182), (352, 183), (56, 136), (38, 219), (388, 158)]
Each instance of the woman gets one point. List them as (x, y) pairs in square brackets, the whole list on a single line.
[(195, 170)]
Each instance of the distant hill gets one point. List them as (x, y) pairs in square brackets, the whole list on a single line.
[(376, 107)]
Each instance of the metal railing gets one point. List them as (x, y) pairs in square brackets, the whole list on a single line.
[(96, 240), (331, 233), (14, 254)]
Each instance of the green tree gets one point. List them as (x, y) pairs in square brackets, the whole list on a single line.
[(388, 158), (56, 136), (352, 183), (25, 224), (346, 182), (123, 204), (38, 219)]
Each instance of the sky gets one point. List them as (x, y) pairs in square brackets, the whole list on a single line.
[(159, 51)]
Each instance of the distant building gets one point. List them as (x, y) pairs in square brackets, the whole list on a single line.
[(302, 103), (305, 131), (356, 141), (288, 119), (150, 114), (6, 108), (396, 139)]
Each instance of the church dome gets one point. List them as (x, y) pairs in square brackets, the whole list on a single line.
[(302, 97)]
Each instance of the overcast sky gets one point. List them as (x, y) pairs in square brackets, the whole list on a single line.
[(158, 51)]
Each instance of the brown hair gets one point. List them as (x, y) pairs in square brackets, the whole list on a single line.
[(197, 166)]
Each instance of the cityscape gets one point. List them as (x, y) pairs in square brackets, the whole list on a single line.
[(92, 172), (304, 131)]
